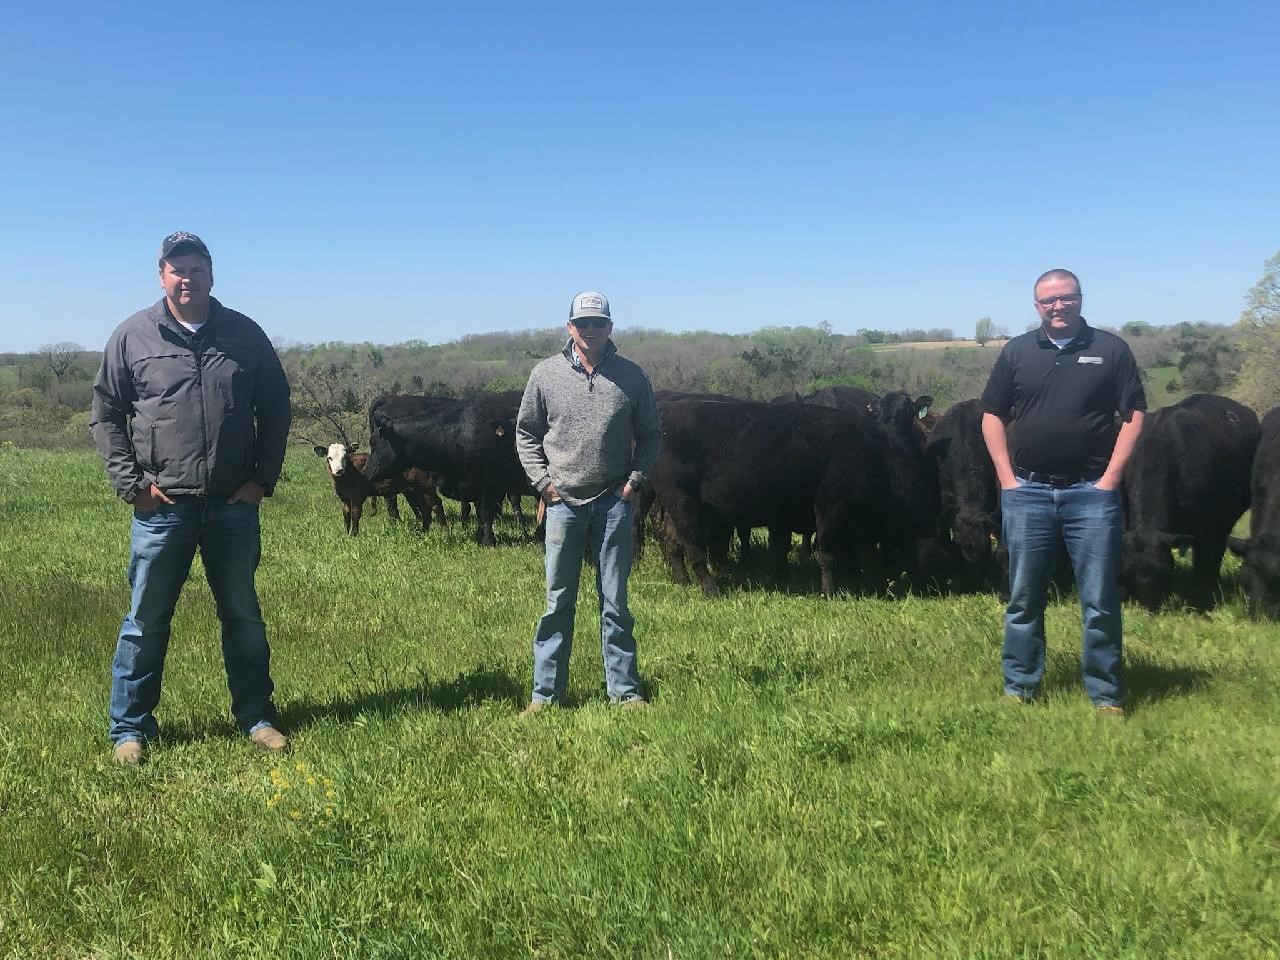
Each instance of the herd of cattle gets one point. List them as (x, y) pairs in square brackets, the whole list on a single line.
[(879, 486)]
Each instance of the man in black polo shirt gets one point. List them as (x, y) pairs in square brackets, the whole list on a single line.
[(1062, 385)]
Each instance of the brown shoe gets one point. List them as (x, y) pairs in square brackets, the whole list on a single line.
[(1014, 698), (128, 753), (535, 706), (270, 739), (1110, 710), (635, 703)]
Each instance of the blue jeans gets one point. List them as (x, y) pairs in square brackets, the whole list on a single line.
[(603, 526), (1037, 519), (163, 543)]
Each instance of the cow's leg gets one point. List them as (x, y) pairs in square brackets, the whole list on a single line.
[(718, 536), (436, 506), (744, 544), (689, 527), (672, 551), (514, 500), (1206, 565), (486, 510), (353, 511), (393, 508), (464, 511), (346, 517), (420, 509)]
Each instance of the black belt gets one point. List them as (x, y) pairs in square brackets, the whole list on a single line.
[(1052, 479)]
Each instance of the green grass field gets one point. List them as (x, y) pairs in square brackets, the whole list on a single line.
[(815, 779)]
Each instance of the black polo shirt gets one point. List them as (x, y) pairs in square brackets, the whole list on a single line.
[(1063, 402)]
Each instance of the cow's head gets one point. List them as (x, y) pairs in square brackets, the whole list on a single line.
[(336, 457), (1146, 566), (385, 459), (1260, 574), (974, 535)]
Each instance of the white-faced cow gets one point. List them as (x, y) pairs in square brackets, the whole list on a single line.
[(1261, 552), (1185, 486), (352, 487)]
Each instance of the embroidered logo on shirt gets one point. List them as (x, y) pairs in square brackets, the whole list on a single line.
[(1084, 359)]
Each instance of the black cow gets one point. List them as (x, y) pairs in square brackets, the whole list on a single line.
[(1185, 486), (392, 406), (968, 493), (1261, 552), (469, 444), (788, 467), (854, 399)]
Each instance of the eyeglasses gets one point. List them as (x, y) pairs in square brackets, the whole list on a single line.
[(1068, 300), (596, 322)]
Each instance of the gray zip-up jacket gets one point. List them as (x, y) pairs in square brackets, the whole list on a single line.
[(587, 433), (195, 414)]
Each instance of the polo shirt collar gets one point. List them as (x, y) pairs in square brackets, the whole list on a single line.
[(1082, 339)]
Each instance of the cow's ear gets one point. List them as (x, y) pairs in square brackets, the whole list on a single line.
[(353, 448), (1239, 546), (922, 406), (320, 451)]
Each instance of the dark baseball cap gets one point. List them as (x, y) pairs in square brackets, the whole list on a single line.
[(183, 242)]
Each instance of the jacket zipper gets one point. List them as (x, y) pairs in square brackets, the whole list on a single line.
[(197, 355)]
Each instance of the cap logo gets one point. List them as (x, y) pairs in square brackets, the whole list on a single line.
[(593, 302)]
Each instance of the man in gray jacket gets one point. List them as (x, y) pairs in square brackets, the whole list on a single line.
[(191, 414), (587, 434)]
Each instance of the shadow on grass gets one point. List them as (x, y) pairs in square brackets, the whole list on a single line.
[(449, 696), (1147, 682), (466, 690)]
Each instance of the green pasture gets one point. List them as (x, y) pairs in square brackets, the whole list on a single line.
[(815, 779)]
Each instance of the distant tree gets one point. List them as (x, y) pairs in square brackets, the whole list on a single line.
[(984, 331), (331, 402), (1137, 328), (1210, 360), (60, 357), (1259, 381)]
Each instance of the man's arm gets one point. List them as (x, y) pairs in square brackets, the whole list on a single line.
[(273, 413), (998, 447), (531, 427), (648, 437), (113, 398), (1125, 442)]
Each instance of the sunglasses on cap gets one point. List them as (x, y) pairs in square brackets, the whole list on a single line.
[(596, 322)]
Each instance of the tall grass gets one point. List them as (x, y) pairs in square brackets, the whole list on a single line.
[(815, 779)]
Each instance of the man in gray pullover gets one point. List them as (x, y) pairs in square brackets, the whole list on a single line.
[(587, 434)]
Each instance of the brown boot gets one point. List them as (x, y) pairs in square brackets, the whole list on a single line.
[(270, 739), (128, 753)]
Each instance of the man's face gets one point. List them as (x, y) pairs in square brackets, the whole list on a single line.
[(1058, 303), (587, 336), (186, 279)]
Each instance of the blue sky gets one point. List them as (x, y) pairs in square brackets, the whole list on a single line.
[(409, 171)]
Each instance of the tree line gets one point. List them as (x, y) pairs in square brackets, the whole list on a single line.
[(45, 395)]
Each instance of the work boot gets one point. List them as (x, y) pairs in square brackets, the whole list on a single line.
[(635, 703), (1110, 710), (534, 707), (270, 739), (127, 753)]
